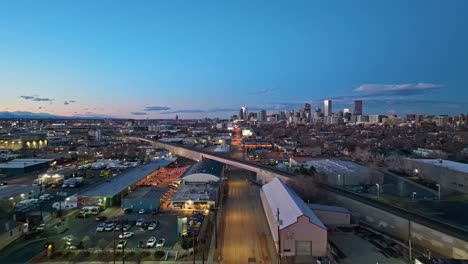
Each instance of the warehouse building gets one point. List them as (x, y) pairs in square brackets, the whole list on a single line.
[(302, 234), (331, 215), (111, 192), (203, 172), (18, 167), (148, 198), (200, 187), (10, 195)]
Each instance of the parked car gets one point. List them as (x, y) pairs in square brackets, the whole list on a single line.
[(161, 243), (128, 210), (109, 227), (151, 242), (101, 227), (126, 227), (152, 226), (118, 227), (140, 222), (101, 218), (122, 243), (41, 227), (126, 235), (81, 216), (142, 211)]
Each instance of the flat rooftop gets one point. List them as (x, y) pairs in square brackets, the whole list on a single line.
[(332, 165), (195, 193), (147, 193), (7, 191), (451, 165), (126, 179), (22, 163)]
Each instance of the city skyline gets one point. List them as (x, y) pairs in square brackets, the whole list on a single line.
[(159, 60)]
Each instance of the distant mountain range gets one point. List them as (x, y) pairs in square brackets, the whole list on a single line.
[(23, 114)]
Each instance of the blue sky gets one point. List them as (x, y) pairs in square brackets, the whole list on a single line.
[(155, 59)]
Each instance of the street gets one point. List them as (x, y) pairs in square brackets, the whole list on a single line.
[(245, 234)]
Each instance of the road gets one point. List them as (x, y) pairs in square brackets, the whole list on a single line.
[(245, 235)]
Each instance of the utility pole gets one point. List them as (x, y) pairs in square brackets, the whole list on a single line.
[(113, 235), (409, 238), (193, 245), (279, 235), (123, 246)]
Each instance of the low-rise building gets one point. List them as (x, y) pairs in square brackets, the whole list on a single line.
[(331, 215), (11, 231), (300, 234), (18, 167), (148, 198)]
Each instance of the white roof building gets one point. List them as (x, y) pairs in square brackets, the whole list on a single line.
[(301, 232)]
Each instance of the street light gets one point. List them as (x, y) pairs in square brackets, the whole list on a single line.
[(414, 193), (438, 190), (378, 190)]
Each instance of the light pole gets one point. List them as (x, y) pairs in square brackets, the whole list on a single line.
[(438, 190), (279, 234), (414, 193), (378, 190)]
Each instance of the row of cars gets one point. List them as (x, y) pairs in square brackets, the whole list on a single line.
[(113, 226), (151, 243)]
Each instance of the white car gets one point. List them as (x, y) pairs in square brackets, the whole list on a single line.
[(126, 235), (101, 227), (41, 227), (109, 227), (122, 243), (141, 211), (45, 197), (161, 243), (151, 242), (140, 222), (152, 226)]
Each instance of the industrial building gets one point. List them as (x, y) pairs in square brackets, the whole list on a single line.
[(450, 175), (204, 172), (340, 172), (111, 192), (11, 231), (147, 198), (10, 195), (302, 234), (200, 186), (331, 215), (18, 167)]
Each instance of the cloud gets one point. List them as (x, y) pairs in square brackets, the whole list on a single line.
[(138, 113), (69, 102), (265, 90), (35, 98), (397, 89), (185, 111), (157, 108)]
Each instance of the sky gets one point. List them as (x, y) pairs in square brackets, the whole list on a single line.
[(158, 59)]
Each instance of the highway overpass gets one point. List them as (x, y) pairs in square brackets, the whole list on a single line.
[(425, 232)]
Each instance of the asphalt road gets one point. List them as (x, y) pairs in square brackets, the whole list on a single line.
[(245, 237)]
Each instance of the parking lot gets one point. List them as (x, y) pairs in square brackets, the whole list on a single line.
[(166, 229)]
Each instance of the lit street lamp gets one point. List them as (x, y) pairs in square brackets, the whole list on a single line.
[(414, 193), (438, 190), (378, 190)]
